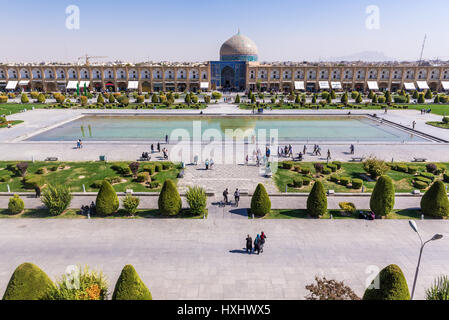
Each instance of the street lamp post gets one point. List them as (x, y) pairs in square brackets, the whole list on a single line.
[(435, 237)]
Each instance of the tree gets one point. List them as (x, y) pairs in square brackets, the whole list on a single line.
[(437, 99), (317, 200), (134, 167), (421, 98), (314, 98), (382, 198), (100, 99), (187, 99), (83, 100), (237, 99), (15, 204), (197, 200), (325, 289), (415, 94), (391, 285), (435, 203), (41, 98), (260, 202), (375, 167), (439, 290), (129, 286), (154, 98), (130, 204), (359, 99), (169, 201), (56, 198), (22, 168), (107, 201), (329, 99), (344, 98), (216, 95), (28, 282), (333, 95), (297, 99), (24, 98), (374, 100), (111, 98), (428, 94)]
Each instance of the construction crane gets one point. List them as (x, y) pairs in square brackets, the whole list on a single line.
[(422, 49), (87, 57)]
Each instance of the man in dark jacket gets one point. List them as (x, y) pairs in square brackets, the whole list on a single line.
[(249, 244)]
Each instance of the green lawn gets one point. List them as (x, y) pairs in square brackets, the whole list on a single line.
[(438, 124), (75, 174), (13, 123), (75, 214), (337, 214), (402, 180), (11, 108)]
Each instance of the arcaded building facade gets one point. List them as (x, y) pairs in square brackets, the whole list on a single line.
[(238, 69)]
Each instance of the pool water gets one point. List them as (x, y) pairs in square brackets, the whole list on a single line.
[(289, 128)]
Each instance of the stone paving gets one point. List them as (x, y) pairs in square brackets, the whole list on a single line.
[(204, 259)]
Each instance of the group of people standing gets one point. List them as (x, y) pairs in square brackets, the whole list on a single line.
[(79, 144), (236, 196), (286, 151), (209, 163), (259, 242), (257, 156)]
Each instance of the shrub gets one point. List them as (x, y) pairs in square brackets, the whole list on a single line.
[(100, 99), (446, 177), (148, 168), (169, 202), (4, 177), (41, 98), (113, 180), (392, 285), (305, 170), (297, 183), (337, 163), (431, 167), (56, 198), (121, 168), (97, 184), (402, 168), (344, 181), (153, 185), (197, 200), (92, 286), (435, 202), (347, 206), (28, 282), (412, 170), (143, 176), (260, 201), (334, 178), (134, 167), (24, 98), (166, 165), (107, 201), (420, 184), (22, 168), (158, 167), (325, 289), (333, 167), (287, 165), (140, 99), (15, 205), (32, 181), (129, 286), (382, 198), (317, 200), (375, 167), (41, 171), (427, 175), (357, 183), (306, 181), (130, 204), (318, 167), (439, 290), (326, 171)]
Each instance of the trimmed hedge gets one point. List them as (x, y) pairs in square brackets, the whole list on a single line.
[(121, 169), (287, 165), (435, 202), (169, 201), (392, 285), (334, 178), (428, 175), (344, 181), (143, 177), (420, 184), (338, 164), (297, 183), (158, 167), (149, 168), (260, 201), (317, 200), (107, 201), (357, 183), (15, 205), (305, 171), (306, 181), (326, 171), (129, 286), (32, 181), (382, 198), (28, 282), (333, 167), (446, 177), (412, 169)]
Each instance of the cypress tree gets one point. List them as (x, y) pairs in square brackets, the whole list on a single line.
[(344, 98), (28, 282), (428, 94), (421, 98), (359, 99), (237, 99), (435, 203), (392, 285), (374, 100), (382, 198), (260, 201), (129, 286), (169, 201), (100, 99), (317, 200), (437, 99), (107, 201)]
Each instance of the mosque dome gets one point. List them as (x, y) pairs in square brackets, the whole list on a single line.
[(238, 48)]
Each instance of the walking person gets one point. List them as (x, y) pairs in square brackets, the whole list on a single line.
[(351, 148), (304, 150), (318, 150), (262, 241), (158, 147), (152, 148), (237, 197), (328, 154), (257, 244), (166, 138), (207, 164), (37, 189), (413, 124), (249, 244), (225, 196)]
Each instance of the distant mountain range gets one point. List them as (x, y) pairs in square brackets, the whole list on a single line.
[(368, 56)]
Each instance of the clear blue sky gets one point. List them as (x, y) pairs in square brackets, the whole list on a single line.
[(193, 30)]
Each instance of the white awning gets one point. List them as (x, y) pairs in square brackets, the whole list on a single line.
[(133, 84), (445, 85), (336, 85), (11, 85), (372, 85), (204, 85), (299, 85), (84, 82), (409, 86), (324, 84), (72, 85), (24, 82), (422, 85)]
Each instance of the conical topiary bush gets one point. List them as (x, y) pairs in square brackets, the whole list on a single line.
[(107, 201), (382, 198), (435, 202), (129, 286), (169, 202), (317, 200), (28, 282), (391, 285), (260, 201)]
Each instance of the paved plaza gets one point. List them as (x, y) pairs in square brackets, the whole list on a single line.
[(203, 259)]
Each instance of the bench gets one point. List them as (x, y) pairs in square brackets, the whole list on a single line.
[(144, 159), (358, 159), (51, 159), (419, 159)]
